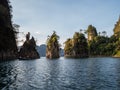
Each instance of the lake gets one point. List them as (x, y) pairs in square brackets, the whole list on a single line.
[(61, 74)]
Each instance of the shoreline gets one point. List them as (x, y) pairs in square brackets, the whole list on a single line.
[(12, 56)]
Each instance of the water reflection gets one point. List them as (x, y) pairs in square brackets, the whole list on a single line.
[(62, 74), (117, 73), (8, 73)]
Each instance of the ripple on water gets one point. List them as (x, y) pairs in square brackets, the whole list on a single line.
[(62, 74)]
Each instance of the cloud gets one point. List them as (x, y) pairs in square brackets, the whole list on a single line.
[(37, 33), (41, 17)]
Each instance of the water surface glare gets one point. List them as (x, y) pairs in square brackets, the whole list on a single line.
[(61, 74)]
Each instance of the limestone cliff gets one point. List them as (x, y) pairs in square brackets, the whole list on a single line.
[(92, 32), (8, 47), (76, 47), (117, 36), (117, 28), (52, 50), (28, 50)]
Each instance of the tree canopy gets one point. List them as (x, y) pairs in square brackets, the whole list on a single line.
[(53, 39), (7, 34), (52, 50), (77, 46), (101, 46)]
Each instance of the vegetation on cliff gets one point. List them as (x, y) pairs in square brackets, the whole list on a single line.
[(116, 40), (92, 32), (28, 50), (117, 28), (8, 47), (76, 47), (52, 50), (101, 46), (97, 44)]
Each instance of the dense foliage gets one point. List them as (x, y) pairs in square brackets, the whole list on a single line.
[(7, 34), (68, 47), (92, 32), (101, 46), (92, 29), (116, 42), (77, 46), (52, 50), (53, 41), (95, 45)]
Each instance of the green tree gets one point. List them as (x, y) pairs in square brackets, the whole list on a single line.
[(7, 33), (92, 29), (76, 47), (101, 46), (68, 47), (92, 32), (52, 50)]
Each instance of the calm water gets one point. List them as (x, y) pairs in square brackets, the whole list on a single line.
[(61, 74)]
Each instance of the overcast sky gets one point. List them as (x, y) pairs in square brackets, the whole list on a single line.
[(41, 17)]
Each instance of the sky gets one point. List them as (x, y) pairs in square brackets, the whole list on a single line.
[(42, 17)]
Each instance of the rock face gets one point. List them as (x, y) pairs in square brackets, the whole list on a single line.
[(117, 27), (76, 47), (117, 48), (117, 55), (92, 32), (28, 50), (52, 50), (8, 47)]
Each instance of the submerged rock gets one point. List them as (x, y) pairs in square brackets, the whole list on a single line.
[(52, 50), (28, 50)]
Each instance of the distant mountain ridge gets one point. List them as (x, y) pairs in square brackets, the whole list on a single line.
[(42, 50)]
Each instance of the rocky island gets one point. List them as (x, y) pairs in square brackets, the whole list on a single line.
[(28, 50), (76, 47), (80, 46), (99, 44), (52, 50)]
